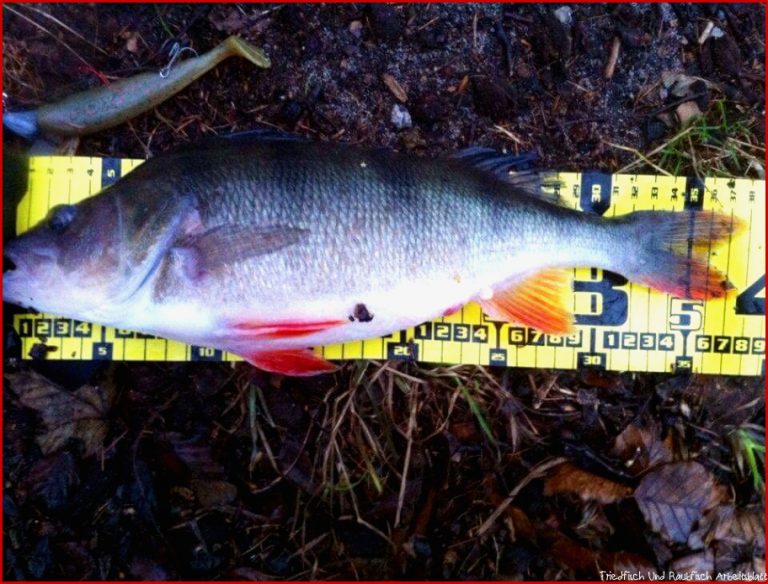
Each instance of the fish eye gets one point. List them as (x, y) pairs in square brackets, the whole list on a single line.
[(61, 217)]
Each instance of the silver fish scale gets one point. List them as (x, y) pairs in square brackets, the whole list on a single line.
[(374, 220)]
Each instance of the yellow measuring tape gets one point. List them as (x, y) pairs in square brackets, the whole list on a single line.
[(619, 326)]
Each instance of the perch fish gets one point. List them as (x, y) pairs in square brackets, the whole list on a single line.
[(266, 246), (104, 107)]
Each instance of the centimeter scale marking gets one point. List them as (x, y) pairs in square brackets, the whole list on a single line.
[(619, 326)]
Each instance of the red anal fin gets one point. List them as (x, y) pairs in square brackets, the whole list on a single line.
[(452, 309), (540, 301), (283, 330), (295, 362)]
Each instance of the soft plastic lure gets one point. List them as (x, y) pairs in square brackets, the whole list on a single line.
[(105, 107)]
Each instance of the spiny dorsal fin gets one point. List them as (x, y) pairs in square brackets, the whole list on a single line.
[(495, 162), (514, 169)]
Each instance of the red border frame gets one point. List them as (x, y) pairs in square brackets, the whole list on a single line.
[(297, 2)]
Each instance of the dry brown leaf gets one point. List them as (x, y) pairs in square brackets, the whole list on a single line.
[(518, 524), (65, 414), (621, 562), (642, 447), (394, 87), (584, 560), (714, 525), (748, 525), (228, 20), (52, 480), (213, 493), (572, 555), (570, 479), (673, 497), (756, 565), (196, 454), (594, 527), (465, 431), (699, 564)]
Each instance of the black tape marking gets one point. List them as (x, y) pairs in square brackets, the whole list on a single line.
[(110, 171)]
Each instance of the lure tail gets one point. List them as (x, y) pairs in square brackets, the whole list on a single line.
[(674, 250), (237, 46), (23, 124)]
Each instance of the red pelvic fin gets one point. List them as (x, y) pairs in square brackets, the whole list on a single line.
[(540, 301), (295, 362), (284, 329)]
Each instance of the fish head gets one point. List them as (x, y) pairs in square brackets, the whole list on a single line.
[(69, 263)]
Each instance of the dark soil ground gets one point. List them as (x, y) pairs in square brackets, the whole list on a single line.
[(205, 471)]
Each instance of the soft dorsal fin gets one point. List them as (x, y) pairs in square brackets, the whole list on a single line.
[(495, 162), (540, 301), (514, 169)]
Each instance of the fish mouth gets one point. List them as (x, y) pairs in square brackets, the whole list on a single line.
[(11, 278), (19, 256), (12, 262), (8, 264), (19, 274)]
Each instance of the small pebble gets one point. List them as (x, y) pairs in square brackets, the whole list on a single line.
[(412, 139), (687, 111), (386, 22), (290, 112), (292, 17), (429, 108), (356, 28), (400, 117), (667, 14), (565, 15), (494, 98), (433, 37), (654, 129)]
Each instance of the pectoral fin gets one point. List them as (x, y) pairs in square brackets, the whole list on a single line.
[(295, 362), (540, 301), (202, 252)]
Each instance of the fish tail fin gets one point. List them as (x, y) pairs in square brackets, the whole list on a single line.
[(673, 255), (255, 55)]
